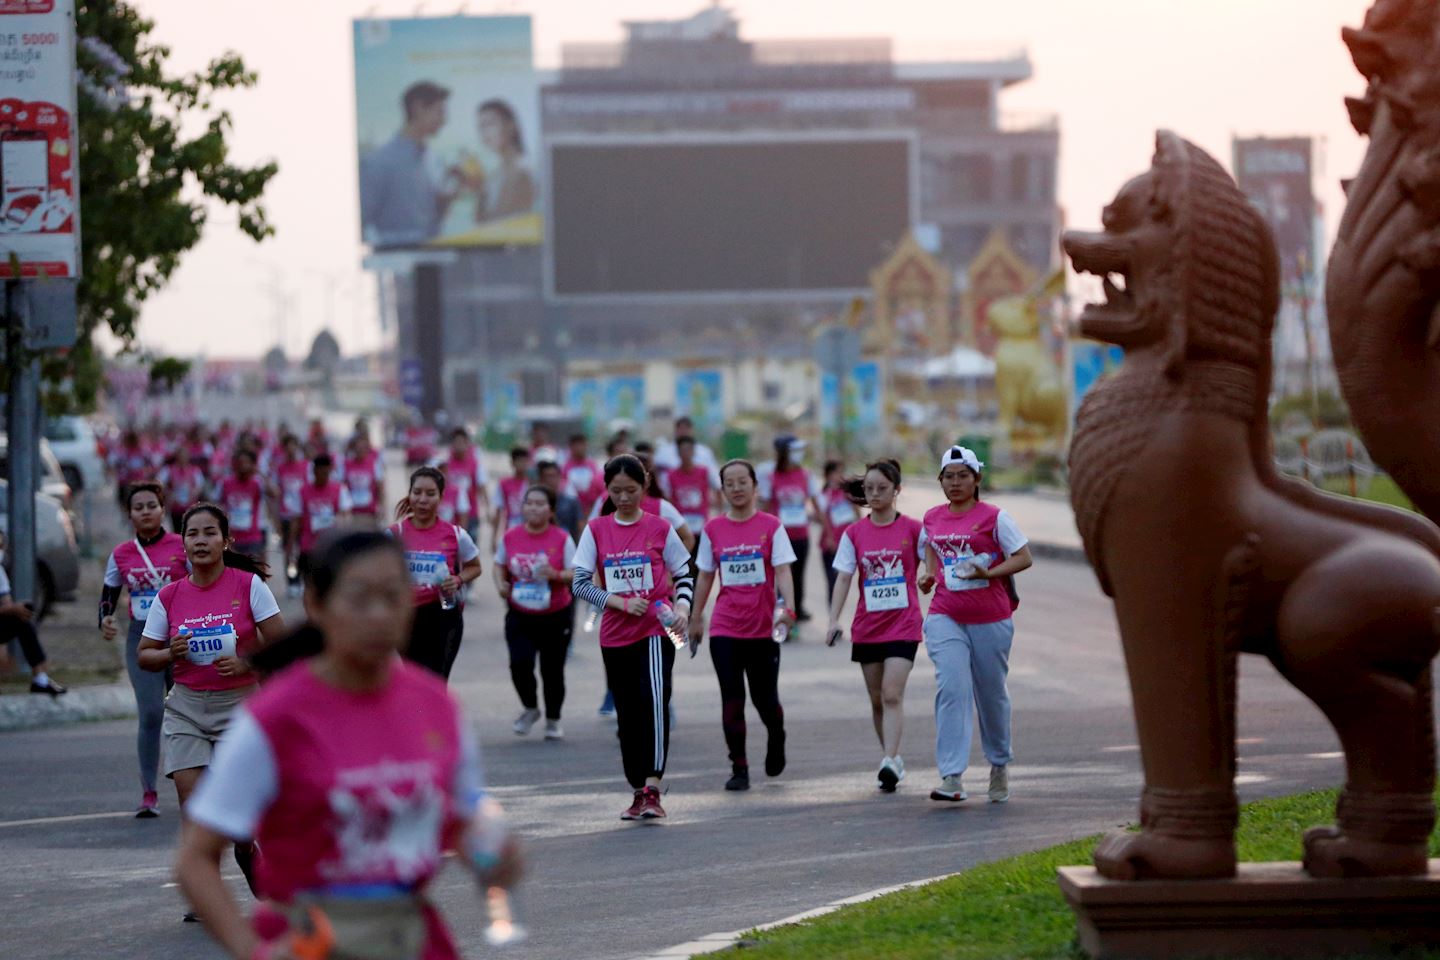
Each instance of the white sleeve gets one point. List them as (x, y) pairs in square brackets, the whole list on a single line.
[(844, 555), (380, 469), (595, 508), (782, 551), (467, 549), (262, 601), (481, 478), (677, 558), (1009, 535), (469, 784), (665, 487), (112, 572), (817, 489), (157, 623), (671, 515), (501, 557), (4, 582), (705, 553), (568, 558), (585, 552), (346, 504), (764, 481), (241, 782)]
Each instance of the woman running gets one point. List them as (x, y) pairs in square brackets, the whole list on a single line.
[(753, 557), (245, 495), (142, 566), (443, 560), (364, 474), (837, 513), (972, 550), (644, 565), (534, 564), (324, 502), (202, 628), (292, 472), (354, 771), (885, 549), (790, 492)]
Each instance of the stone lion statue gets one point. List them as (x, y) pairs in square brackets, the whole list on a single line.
[(1208, 553)]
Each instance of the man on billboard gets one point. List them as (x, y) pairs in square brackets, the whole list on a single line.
[(403, 200)]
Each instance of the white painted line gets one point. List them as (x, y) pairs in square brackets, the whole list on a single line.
[(1334, 755), (1127, 748), (70, 819)]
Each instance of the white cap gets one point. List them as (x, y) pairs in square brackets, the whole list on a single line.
[(961, 455)]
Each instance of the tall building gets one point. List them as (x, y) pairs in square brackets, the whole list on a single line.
[(710, 197)]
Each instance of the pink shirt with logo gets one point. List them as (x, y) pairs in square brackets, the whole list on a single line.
[(244, 503), (689, 490), (210, 613), (512, 497), (885, 561), (742, 555), (431, 554), (789, 494), (290, 477), (522, 552), (166, 555), (630, 561), (587, 480), (320, 507), (362, 476), (956, 540), (185, 485)]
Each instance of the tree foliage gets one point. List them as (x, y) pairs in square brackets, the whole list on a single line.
[(154, 162)]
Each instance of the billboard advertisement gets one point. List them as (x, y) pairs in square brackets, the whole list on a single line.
[(1090, 362), (699, 395), (39, 195), (1276, 175), (448, 120), (625, 399), (583, 399), (502, 401), (859, 406)]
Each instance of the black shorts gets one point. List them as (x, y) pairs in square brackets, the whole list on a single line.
[(880, 652)]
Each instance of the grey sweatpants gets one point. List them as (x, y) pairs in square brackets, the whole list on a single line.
[(149, 707), (971, 661)]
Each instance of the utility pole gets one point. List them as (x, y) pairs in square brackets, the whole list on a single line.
[(22, 424)]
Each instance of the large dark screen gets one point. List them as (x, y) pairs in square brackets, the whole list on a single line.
[(793, 215)]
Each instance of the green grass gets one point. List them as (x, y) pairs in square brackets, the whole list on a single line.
[(1013, 909), (1382, 489)]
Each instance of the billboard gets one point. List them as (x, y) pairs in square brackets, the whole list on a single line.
[(682, 214), (859, 407), (1090, 362), (39, 195), (583, 398), (502, 400), (448, 120), (699, 395), (625, 399), (1276, 175)]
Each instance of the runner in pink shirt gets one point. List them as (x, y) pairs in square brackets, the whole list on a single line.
[(185, 486), (885, 549), (510, 493), (750, 554), (356, 772), (534, 564), (690, 486), (324, 503), (836, 513), (465, 471), (791, 492), (203, 628), (364, 476), (291, 472), (645, 570), (583, 474), (245, 496)]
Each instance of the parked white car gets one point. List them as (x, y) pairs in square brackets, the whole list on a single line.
[(52, 475), (57, 557), (73, 442)]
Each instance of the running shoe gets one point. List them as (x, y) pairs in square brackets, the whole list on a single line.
[(635, 809), (49, 686), (892, 771), (553, 730), (999, 784), (607, 706), (775, 754), (650, 808), (190, 917), (149, 806), (950, 789), (526, 720), (739, 777)]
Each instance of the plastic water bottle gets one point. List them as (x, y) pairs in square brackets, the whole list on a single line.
[(485, 842), (591, 618), (781, 631), (670, 621), (448, 598)]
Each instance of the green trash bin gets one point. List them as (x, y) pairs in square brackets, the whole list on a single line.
[(980, 444), (734, 445)]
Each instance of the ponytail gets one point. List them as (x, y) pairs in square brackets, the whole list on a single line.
[(854, 487), (402, 508)]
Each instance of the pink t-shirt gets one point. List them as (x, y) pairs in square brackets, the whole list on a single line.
[(886, 563), (742, 554), (219, 618), (185, 483), (523, 552), (290, 477), (365, 781), (454, 503), (630, 561), (956, 539), (587, 480), (167, 556), (462, 472), (244, 503), (431, 554), (840, 513), (790, 492), (690, 492), (512, 496), (319, 508), (361, 476)]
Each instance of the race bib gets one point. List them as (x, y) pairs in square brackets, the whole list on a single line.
[(140, 603), (958, 568), (210, 643), (290, 500), (629, 575), (689, 498), (426, 567), (531, 594), (322, 516), (447, 512), (360, 493), (886, 593), (242, 514), (742, 570), (842, 513)]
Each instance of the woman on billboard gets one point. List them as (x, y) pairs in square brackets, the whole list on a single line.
[(509, 189)]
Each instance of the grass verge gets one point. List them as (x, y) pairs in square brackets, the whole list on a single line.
[(1013, 909)]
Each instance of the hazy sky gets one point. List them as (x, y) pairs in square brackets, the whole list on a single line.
[(1114, 71)]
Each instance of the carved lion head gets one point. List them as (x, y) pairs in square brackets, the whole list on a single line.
[(1189, 267)]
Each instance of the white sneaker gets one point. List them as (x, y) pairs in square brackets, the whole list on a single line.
[(892, 771), (999, 784), (525, 721), (553, 730), (950, 789)]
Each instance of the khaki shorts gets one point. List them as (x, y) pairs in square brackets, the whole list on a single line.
[(194, 721)]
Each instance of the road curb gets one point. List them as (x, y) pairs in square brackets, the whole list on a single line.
[(30, 711), (1064, 552), (715, 942)]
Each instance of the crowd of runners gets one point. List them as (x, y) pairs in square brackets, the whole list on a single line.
[(338, 772)]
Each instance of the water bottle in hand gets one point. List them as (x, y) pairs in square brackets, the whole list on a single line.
[(590, 619), (670, 621), (781, 631), (448, 598), (485, 842)]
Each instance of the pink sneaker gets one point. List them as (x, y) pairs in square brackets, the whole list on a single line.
[(149, 806)]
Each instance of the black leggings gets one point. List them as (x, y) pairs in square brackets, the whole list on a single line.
[(797, 572), (759, 660), (13, 628), (545, 634), (638, 674), (435, 638), (827, 557)]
